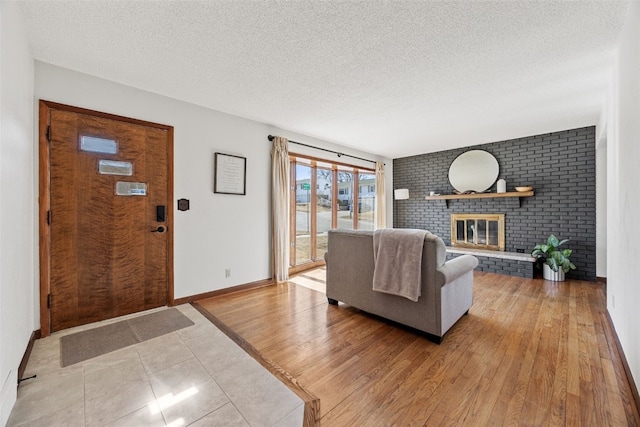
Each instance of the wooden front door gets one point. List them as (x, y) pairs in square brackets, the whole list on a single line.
[(106, 228)]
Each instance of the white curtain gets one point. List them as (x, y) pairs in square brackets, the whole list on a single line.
[(280, 208), (381, 197)]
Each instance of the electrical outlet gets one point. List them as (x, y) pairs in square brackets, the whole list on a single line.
[(227, 272)]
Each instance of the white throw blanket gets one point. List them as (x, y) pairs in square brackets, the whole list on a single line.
[(397, 257)]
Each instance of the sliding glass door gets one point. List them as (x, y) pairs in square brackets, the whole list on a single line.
[(326, 195), (302, 241), (345, 200), (366, 200), (324, 204)]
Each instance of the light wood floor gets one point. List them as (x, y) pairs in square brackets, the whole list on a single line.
[(530, 352)]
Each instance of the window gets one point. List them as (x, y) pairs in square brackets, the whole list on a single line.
[(327, 195), (366, 201), (302, 224), (98, 145)]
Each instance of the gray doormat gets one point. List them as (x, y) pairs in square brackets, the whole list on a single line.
[(85, 345)]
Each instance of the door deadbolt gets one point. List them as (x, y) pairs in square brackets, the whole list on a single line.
[(160, 229), (161, 213)]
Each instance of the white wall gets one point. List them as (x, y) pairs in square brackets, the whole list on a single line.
[(219, 231), (623, 204), (17, 202), (601, 190), (601, 206)]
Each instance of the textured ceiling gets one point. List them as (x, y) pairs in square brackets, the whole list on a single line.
[(387, 77)]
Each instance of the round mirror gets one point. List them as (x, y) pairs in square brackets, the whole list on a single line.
[(473, 171)]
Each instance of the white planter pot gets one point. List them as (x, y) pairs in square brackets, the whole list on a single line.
[(549, 274)]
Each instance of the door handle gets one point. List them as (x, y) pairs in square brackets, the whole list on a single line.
[(160, 229)]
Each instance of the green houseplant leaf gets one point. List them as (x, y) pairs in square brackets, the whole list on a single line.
[(551, 254), (553, 241)]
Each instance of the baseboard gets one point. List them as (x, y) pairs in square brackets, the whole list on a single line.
[(35, 335), (627, 370), (233, 289), (8, 395), (601, 279)]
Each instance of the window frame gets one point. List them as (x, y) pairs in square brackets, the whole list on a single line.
[(316, 163)]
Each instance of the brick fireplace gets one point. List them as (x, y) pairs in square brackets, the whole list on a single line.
[(560, 166)]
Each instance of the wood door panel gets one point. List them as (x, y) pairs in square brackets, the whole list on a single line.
[(154, 295), (105, 261), (64, 174)]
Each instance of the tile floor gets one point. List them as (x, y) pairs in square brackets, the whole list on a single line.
[(196, 376)]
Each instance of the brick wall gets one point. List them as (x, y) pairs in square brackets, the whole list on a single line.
[(560, 166)]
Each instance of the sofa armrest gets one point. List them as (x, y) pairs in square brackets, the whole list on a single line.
[(456, 267)]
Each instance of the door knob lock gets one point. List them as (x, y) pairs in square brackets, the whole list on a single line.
[(160, 229)]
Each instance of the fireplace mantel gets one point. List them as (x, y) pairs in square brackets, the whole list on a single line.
[(447, 197)]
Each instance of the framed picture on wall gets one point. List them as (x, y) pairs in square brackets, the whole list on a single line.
[(230, 174)]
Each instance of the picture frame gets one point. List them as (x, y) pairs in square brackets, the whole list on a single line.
[(230, 174)]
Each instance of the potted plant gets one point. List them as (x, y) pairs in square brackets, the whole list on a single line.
[(556, 260)]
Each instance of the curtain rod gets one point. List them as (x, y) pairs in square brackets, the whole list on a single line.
[(270, 138)]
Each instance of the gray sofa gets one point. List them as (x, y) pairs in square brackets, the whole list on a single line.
[(446, 286)]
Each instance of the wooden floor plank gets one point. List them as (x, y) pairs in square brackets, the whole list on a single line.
[(530, 352)]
